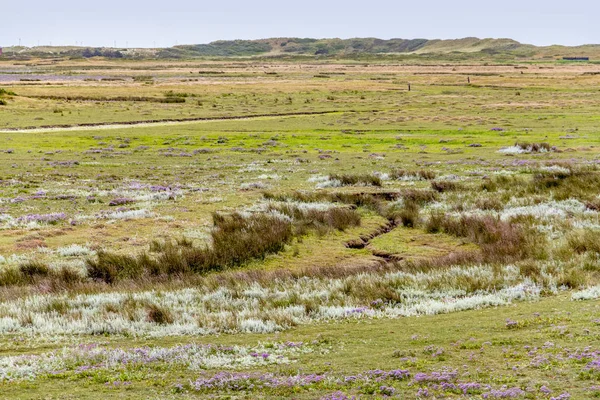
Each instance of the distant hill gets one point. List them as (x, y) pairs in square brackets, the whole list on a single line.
[(346, 46), (281, 47)]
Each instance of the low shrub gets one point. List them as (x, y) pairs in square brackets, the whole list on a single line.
[(236, 240), (567, 183), (584, 241), (37, 272), (66, 276), (419, 196), (11, 277), (423, 174), (489, 203), (171, 100), (593, 204), (435, 223), (339, 218), (109, 267), (409, 214), (534, 147), (489, 185), (530, 269), (572, 279), (121, 201), (350, 180), (499, 241), (373, 201), (297, 195), (159, 315), (34, 269), (444, 186)]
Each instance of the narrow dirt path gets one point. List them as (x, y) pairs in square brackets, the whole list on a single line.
[(158, 122)]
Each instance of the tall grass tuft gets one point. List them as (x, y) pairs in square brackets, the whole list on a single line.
[(584, 241), (353, 179), (34, 269), (408, 215), (500, 241), (419, 196), (159, 315), (422, 174), (444, 186)]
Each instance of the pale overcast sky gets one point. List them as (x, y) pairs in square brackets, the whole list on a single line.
[(165, 23)]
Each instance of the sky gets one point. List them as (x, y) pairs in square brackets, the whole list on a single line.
[(153, 23)]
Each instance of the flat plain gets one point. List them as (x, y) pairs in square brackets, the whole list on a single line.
[(309, 229)]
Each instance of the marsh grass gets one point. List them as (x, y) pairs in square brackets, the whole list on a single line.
[(581, 184), (408, 215), (36, 272), (422, 174), (583, 241), (166, 99), (236, 239), (445, 186), (489, 203), (500, 241), (32, 269), (337, 218), (159, 315), (373, 201), (419, 196), (353, 179), (534, 147)]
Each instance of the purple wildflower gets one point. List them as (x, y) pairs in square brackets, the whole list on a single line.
[(435, 376), (387, 390), (544, 389), (511, 324), (504, 393), (337, 396), (120, 201), (52, 218)]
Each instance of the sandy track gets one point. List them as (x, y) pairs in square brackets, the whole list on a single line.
[(161, 122)]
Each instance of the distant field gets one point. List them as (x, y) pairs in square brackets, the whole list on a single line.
[(299, 229)]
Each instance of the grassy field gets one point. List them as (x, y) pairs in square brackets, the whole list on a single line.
[(299, 229)]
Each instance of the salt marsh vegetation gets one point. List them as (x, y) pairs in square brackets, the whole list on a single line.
[(310, 238)]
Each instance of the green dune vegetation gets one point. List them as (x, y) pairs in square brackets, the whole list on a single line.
[(466, 48)]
